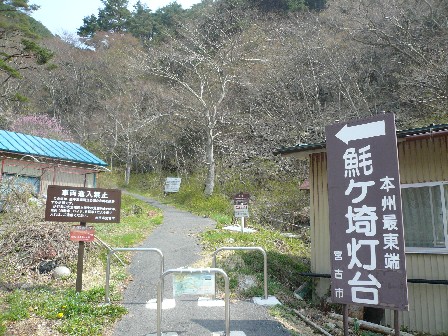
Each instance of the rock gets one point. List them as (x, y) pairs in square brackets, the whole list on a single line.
[(61, 272), (330, 326), (26, 286), (46, 266), (246, 282)]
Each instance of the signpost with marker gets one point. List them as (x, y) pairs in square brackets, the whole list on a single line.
[(366, 231), (79, 204), (241, 207)]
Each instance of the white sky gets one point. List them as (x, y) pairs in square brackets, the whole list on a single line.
[(61, 16)]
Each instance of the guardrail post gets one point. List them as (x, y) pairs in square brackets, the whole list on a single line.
[(113, 250)]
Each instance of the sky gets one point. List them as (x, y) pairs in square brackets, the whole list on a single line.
[(65, 16)]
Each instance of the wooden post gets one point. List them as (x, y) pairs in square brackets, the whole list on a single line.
[(80, 266), (242, 224), (396, 323), (345, 319)]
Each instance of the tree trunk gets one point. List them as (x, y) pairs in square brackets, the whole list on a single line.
[(127, 173), (210, 161)]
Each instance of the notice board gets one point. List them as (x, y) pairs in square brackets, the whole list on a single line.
[(79, 204)]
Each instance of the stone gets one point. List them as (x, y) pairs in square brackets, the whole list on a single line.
[(330, 326), (46, 266), (61, 272)]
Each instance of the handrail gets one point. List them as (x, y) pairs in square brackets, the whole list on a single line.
[(113, 250)]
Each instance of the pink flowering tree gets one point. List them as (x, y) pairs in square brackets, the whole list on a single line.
[(42, 126)]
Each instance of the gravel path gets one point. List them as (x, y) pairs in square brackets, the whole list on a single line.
[(177, 239)]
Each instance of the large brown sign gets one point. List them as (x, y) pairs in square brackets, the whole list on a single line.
[(366, 243), (79, 204)]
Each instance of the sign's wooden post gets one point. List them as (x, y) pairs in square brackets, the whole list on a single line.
[(396, 323), (80, 265), (345, 319)]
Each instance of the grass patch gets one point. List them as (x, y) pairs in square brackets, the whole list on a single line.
[(76, 313), (190, 196), (137, 220), (287, 257)]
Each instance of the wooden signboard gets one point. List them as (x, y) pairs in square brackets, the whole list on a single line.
[(79, 204), (366, 229)]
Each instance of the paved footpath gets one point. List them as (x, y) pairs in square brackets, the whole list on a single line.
[(176, 237)]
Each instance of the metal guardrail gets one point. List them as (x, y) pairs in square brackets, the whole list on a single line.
[(251, 248), (193, 270), (113, 250)]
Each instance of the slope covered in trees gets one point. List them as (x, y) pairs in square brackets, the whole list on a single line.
[(216, 88)]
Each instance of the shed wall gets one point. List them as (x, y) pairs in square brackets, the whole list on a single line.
[(52, 175), (424, 160)]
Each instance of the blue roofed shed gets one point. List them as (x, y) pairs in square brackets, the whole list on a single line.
[(40, 162)]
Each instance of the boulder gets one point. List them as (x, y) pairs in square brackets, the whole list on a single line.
[(46, 266), (61, 272)]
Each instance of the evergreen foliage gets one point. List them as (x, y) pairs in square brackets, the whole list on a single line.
[(19, 34), (146, 25), (141, 22)]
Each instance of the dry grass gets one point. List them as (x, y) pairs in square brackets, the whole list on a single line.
[(27, 241)]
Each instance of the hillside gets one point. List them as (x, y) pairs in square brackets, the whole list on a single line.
[(213, 90)]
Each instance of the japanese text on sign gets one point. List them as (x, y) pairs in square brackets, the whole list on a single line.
[(82, 233), (241, 205), (241, 210), (78, 204), (367, 244)]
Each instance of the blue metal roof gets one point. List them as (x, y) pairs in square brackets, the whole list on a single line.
[(20, 143)]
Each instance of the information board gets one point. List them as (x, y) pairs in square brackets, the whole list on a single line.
[(366, 230), (194, 284), (241, 205), (79, 204), (172, 184), (241, 210)]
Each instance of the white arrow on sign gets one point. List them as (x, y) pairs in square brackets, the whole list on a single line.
[(363, 131)]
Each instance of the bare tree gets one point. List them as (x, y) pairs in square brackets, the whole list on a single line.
[(406, 49), (203, 62)]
